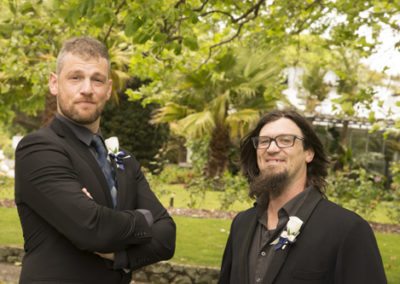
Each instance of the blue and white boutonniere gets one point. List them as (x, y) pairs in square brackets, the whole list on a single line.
[(289, 234), (114, 153)]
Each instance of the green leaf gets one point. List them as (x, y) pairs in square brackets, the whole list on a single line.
[(371, 117), (191, 43), (26, 8), (11, 5), (133, 95), (104, 16), (132, 25), (160, 37), (6, 30), (347, 107)]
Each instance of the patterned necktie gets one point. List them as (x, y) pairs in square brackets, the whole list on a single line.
[(105, 166)]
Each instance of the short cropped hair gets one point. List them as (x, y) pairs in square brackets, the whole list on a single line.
[(317, 169), (85, 47)]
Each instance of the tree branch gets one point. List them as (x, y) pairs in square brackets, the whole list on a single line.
[(179, 3), (201, 7), (301, 23), (245, 17), (254, 9), (223, 42), (112, 24)]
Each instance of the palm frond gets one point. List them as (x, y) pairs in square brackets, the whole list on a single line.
[(219, 107), (197, 124), (241, 121), (169, 113)]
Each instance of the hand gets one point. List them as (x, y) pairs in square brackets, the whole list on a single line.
[(87, 193), (109, 256)]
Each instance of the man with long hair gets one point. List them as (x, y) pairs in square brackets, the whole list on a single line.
[(293, 234)]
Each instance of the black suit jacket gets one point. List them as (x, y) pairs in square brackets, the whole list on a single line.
[(63, 228), (334, 246)]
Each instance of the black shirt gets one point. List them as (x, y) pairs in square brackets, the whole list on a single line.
[(261, 253)]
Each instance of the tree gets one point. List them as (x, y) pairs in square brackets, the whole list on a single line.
[(163, 36), (129, 121), (224, 101)]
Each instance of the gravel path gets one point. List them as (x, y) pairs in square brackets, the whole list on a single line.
[(9, 274)]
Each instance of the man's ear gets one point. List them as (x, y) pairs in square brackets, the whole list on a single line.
[(309, 155), (53, 84)]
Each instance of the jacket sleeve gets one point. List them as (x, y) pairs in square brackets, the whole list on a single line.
[(163, 230), (226, 266), (359, 260), (47, 183)]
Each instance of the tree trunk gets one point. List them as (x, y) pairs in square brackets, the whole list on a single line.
[(344, 133), (218, 154)]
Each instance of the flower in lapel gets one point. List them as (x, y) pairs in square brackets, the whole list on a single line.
[(114, 153), (289, 234)]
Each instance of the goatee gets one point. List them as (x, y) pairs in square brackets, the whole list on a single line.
[(267, 185)]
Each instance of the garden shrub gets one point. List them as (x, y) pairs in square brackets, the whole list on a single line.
[(175, 174), (236, 188), (356, 190), (130, 122), (394, 192)]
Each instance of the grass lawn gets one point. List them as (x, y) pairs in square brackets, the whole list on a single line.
[(11, 233), (390, 251), (182, 198), (202, 241)]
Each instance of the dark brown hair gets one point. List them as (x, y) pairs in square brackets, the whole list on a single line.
[(317, 169)]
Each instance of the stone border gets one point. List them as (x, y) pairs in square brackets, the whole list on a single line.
[(161, 273)]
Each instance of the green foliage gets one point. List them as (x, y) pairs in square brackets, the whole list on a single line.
[(6, 189), (30, 34), (235, 188), (162, 37), (197, 188), (232, 188), (174, 174), (129, 121), (356, 190), (223, 100), (5, 142), (394, 193), (199, 153)]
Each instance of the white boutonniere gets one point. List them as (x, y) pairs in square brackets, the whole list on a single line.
[(289, 234), (114, 153)]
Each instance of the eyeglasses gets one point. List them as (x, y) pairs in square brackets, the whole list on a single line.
[(282, 141)]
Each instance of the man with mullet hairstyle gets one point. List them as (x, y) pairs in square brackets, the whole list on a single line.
[(293, 234)]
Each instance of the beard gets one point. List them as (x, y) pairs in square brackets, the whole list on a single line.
[(73, 114), (267, 185)]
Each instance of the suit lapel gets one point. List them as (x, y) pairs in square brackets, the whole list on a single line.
[(244, 255), (304, 214), (79, 147)]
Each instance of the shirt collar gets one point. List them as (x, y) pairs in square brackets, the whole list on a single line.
[(81, 132), (289, 209)]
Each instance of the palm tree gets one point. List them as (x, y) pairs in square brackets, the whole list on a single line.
[(223, 101)]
